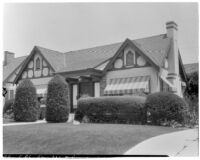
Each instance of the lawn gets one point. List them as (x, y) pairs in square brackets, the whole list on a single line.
[(65, 138)]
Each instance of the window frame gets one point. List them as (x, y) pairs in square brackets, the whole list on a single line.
[(125, 58), (36, 63)]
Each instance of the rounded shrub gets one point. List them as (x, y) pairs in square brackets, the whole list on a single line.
[(25, 106), (112, 109), (165, 106), (57, 103)]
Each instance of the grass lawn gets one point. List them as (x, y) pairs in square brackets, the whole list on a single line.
[(65, 138), (5, 121)]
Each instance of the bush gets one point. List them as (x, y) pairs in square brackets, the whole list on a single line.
[(57, 104), (113, 109), (8, 106), (25, 106), (165, 107)]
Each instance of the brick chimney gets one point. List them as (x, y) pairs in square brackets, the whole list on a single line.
[(173, 58), (8, 57)]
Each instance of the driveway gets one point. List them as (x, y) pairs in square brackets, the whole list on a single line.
[(181, 143)]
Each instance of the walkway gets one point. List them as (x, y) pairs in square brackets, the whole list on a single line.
[(23, 123), (182, 143)]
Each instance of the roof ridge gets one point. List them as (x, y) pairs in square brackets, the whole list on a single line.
[(115, 43), (48, 49)]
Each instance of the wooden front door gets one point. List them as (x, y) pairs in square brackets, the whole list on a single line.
[(86, 89)]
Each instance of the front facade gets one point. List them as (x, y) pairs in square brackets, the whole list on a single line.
[(133, 67)]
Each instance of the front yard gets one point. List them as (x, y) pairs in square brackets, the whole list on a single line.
[(66, 138)]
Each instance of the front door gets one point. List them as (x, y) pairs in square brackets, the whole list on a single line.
[(86, 89)]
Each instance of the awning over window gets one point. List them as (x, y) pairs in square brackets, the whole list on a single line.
[(128, 85)]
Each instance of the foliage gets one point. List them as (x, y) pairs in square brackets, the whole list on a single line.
[(57, 104), (165, 107), (8, 106), (113, 109), (26, 107)]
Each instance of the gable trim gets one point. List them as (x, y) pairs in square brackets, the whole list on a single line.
[(13, 72), (182, 67), (35, 49), (134, 46)]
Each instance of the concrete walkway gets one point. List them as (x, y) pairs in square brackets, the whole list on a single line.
[(70, 119), (23, 123), (181, 143)]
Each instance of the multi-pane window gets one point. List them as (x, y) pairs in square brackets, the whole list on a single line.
[(11, 94), (129, 59), (38, 64)]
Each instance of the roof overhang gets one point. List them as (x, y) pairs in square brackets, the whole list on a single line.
[(86, 74)]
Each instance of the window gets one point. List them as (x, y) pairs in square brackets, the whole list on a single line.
[(129, 59), (11, 94), (38, 63)]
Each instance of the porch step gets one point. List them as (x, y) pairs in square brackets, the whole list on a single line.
[(71, 117)]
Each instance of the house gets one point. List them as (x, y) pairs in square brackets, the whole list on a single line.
[(132, 67), (191, 68)]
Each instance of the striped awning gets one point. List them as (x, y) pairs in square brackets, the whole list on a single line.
[(130, 85)]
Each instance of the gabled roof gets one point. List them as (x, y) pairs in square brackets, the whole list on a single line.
[(55, 58), (191, 68), (12, 66), (155, 47)]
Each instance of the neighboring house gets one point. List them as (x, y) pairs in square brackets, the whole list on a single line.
[(132, 67), (191, 68)]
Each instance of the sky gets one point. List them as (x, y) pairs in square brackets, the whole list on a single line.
[(72, 26)]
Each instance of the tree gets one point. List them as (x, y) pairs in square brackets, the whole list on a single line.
[(57, 106), (26, 107)]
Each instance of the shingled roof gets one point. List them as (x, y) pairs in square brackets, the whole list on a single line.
[(155, 47), (12, 66)]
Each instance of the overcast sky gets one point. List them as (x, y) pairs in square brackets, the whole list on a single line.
[(72, 26)]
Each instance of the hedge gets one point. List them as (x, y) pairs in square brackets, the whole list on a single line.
[(26, 107), (165, 106), (57, 103), (112, 109)]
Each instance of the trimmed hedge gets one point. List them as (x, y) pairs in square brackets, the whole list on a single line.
[(57, 103), (113, 109), (26, 107), (165, 106)]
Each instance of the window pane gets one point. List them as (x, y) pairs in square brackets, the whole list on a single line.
[(129, 59), (37, 63), (11, 94)]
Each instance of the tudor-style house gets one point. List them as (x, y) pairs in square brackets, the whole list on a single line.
[(133, 67)]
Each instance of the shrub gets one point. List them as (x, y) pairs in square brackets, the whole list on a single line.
[(113, 109), (57, 104), (25, 106), (8, 106), (165, 106)]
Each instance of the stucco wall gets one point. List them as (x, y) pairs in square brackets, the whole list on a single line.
[(133, 72)]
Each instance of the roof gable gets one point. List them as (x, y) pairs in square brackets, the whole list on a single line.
[(28, 59), (11, 68), (154, 47), (134, 46)]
